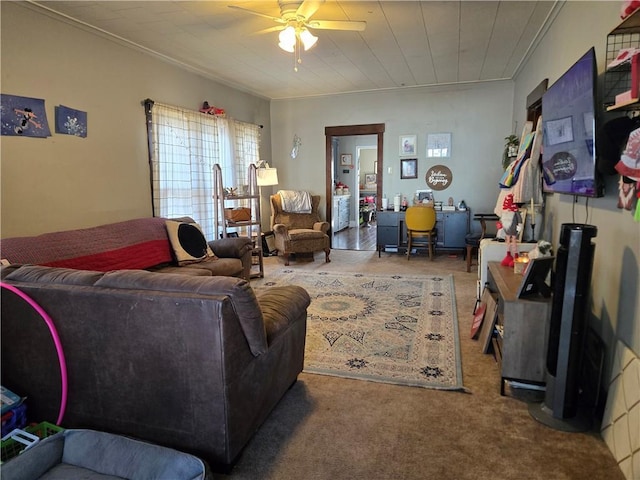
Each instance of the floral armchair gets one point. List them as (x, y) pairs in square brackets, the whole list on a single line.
[(299, 232)]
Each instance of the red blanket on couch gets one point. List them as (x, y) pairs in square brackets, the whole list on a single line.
[(132, 244)]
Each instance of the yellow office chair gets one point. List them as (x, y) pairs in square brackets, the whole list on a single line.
[(421, 223)]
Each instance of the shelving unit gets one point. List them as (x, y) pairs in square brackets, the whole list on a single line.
[(251, 228), (617, 79)]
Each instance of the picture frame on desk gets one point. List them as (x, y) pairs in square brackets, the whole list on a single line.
[(534, 278)]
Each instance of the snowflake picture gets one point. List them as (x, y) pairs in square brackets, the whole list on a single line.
[(71, 122)]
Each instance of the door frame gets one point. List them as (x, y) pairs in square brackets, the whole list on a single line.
[(347, 131)]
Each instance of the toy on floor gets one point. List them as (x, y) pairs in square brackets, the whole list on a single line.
[(511, 222)]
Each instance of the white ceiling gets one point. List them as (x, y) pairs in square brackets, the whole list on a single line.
[(405, 43)]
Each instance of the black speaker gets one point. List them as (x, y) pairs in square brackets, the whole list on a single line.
[(568, 325)]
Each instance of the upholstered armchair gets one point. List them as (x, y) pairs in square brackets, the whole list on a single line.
[(299, 232)]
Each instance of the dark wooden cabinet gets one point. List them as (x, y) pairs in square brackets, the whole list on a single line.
[(452, 228), (521, 331), (392, 231)]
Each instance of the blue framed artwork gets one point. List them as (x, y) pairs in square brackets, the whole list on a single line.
[(70, 121), (23, 116)]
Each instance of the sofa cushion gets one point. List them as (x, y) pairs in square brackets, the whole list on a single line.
[(188, 242), (196, 272), (62, 276), (229, 267)]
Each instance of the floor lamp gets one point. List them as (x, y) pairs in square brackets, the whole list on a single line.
[(265, 177)]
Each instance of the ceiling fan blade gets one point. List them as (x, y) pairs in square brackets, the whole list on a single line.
[(276, 28), (337, 25), (308, 8), (252, 12)]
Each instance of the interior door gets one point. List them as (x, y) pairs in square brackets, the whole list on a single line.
[(330, 141)]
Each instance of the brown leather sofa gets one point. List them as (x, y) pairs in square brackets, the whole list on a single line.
[(188, 362)]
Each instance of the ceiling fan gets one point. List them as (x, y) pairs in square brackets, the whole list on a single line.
[(294, 22)]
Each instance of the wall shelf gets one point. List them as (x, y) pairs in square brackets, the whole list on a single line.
[(618, 79)]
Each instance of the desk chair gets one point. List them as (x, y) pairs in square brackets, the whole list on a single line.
[(421, 223), (472, 240)]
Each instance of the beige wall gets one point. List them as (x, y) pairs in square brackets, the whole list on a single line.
[(64, 182), (615, 301)]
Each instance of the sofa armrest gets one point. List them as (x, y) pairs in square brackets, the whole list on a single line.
[(281, 307), (235, 247), (322, 226)]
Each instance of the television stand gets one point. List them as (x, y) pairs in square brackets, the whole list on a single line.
[(522, 328)]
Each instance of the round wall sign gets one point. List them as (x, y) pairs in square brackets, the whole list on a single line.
[(439, 177), (562, 165)]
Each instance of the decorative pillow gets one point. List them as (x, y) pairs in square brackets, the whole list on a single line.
[(188, 242)]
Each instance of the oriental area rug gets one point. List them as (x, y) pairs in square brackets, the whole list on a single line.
[(399, 329)]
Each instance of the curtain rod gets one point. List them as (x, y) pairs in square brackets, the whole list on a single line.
[(148, 105)]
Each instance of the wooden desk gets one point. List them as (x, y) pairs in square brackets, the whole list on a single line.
[(392, 230), (520, 344)]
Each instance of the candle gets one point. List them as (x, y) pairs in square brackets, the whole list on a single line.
[(533, 213)]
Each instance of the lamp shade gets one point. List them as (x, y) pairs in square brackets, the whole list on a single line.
[(287, 39), (266, 176), (308, 39)]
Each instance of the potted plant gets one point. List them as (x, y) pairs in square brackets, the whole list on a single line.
[(510, 150)]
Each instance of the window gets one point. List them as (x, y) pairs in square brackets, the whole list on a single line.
[(185, 144)]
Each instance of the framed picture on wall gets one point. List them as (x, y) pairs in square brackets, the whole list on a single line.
[(345, 159), (370, 179), (408, 145), (409, 168), (438, 145)]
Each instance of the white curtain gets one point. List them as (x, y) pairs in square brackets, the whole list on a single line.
[(185, 146)]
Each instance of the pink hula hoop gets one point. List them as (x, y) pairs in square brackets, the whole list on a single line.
[(56, 340)]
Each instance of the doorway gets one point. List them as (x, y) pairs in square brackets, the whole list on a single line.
[(350, 237)]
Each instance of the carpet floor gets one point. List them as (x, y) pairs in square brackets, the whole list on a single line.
[(334, 428), (399, 329)]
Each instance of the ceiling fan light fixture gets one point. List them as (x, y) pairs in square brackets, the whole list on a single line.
[(308, 39), (287, 39)]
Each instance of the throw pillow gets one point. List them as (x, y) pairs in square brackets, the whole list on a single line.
[(188, 242)]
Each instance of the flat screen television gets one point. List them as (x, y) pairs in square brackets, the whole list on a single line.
[(534, 281), (569, 129)]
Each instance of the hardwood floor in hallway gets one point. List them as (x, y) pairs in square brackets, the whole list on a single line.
[(356, 238)]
